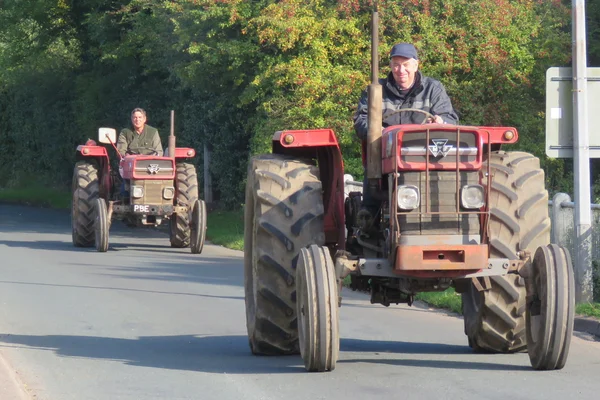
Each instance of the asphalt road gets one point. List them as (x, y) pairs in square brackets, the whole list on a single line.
[(145, 321)]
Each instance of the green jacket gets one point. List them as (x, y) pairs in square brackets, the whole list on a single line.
[(144, 143)]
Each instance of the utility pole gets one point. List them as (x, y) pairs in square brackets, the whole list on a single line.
[(581, 159)]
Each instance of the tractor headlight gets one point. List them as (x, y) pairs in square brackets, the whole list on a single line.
[(408, 197), (168, 193), (472, 196), (137, 192)]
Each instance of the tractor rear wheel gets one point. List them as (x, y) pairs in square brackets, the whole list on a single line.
[(283, 214), (85, 188), (186, 186), (495, 318)]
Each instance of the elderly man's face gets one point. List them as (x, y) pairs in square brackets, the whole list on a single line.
[(404, 70), (138, 120)]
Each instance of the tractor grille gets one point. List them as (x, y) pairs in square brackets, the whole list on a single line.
[(154, 168), (442, 198), (153, 191), (414, 148)]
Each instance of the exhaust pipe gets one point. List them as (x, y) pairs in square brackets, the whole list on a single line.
[(171, 148), (374, 116)]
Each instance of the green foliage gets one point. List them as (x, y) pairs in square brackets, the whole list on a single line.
[(237, 71)]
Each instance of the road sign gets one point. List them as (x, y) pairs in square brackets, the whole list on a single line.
[(559, 112)]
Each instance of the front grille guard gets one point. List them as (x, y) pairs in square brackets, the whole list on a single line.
[(485, 214)]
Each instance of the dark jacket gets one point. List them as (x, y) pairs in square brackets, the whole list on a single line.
[(426, 94), (142, 143)]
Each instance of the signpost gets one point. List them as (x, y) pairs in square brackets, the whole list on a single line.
[(561, 143)]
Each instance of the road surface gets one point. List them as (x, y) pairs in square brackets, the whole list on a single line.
[(145, 321)]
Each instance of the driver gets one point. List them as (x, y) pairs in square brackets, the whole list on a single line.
[(143, 139), (404, 87)]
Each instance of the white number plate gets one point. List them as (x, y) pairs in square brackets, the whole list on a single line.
[(141, 208)]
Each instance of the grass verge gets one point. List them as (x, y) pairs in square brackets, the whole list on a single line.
[(36, 196), (226, 228), (588, 310), (448, 300)]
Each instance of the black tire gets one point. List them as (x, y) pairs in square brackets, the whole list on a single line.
[(186, 186), (85, 189), (551, 308), (317, 309), (101, 225), (495, 318), (198, 227), (283, 214)]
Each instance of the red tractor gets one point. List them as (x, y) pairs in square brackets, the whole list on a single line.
[(147, 190), (456, 211)]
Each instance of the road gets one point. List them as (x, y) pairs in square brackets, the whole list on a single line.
[(145, 321)]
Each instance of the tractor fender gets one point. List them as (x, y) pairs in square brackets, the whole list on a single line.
[(322, 146)]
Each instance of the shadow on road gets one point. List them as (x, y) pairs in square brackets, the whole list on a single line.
[(442, 364), (387, 346), (40, 244), (216, 354), (228, 354), (121, 289)]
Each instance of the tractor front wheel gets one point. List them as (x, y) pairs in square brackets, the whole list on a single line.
[(198, 227), (550, 307), (101, 225), (318, 323)]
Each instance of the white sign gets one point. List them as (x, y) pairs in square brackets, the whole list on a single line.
[(559, 112)]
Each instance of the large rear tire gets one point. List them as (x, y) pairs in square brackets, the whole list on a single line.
[(187, 193), (495, 318), (85, 190), (283, 214)]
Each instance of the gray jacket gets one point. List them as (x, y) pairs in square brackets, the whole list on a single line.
[(426, 94)]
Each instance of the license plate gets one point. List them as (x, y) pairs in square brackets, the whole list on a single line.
[(141, 208)]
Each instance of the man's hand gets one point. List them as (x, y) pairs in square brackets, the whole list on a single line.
[(435, 120)]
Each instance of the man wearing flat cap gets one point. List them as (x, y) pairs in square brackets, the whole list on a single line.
[(406, 87)]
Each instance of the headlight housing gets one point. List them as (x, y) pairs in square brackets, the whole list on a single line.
[(472, 196), (137, 192), (168, 193), (408, 197)]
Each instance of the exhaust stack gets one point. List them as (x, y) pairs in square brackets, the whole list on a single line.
[(171, 148), (374, 116)]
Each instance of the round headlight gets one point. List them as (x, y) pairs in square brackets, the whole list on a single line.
[(137, 192), (408, 197), (472, 196)]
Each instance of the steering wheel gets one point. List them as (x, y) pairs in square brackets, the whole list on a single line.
[(426, 113), (137, 151)]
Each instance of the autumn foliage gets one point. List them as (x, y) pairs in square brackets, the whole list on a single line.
[(236, 71)]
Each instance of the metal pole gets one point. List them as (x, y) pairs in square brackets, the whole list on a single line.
[(581, 159)]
